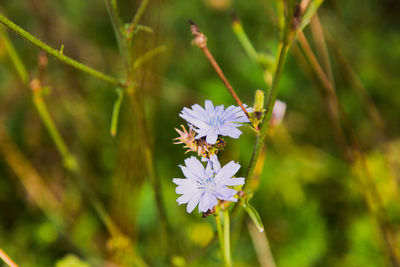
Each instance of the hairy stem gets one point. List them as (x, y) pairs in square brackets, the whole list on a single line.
[(58, 54)]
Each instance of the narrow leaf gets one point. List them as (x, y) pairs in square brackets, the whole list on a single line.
[(115, 114), (255, 217)]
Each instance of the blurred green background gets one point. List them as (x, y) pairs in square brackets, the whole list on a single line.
[(311, 199)]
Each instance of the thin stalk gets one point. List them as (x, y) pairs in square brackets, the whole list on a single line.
[(58, 54), (261, 245), (7, 259), (321, 47), (116, 22), (137, 17), (69, 160), (264, 60), (220, 233), (148, 55), (224, 235), (244, 40), (15, 59), (201, 41), (227, 239)]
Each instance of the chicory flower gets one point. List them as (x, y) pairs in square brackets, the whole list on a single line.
[(204, 186)]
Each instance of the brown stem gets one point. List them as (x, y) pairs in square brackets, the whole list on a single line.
[(200, 40)]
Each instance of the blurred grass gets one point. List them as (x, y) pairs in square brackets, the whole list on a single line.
[(309, 199)]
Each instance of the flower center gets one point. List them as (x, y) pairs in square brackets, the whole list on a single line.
[(215, 121), (208, 184)]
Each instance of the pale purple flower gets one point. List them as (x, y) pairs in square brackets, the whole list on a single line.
[(213, 121), (204, 186)]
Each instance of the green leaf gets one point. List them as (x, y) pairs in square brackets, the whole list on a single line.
[(255, 217)]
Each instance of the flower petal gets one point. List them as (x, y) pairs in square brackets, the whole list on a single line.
[(225, 193), (211, 138), (186, 188), (195, 167), (194, 201), (188, 174), (230, 131), (227, 171), (208, 201), (180, 181), (209, 107), (196, 122), (215, 162), (201, 113), (183, 199), (232, 181)]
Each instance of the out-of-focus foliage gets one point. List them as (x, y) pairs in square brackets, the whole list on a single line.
[(311, 199)]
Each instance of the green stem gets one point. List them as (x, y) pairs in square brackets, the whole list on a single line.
[(282, 53), (147, 56), (117, 24), (58, 54), (220, 233), (15, 59), (227, 241), (244, 40), (137, 17), (69, 160)]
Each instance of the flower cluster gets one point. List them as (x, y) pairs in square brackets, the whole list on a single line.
[(204, 186)]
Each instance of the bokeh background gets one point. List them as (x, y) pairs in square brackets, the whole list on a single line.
[(312, 195)]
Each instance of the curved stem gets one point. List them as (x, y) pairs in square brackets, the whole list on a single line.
[(58, 54)]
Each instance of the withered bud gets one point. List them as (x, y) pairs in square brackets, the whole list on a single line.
[(241, 194), (200, 39)]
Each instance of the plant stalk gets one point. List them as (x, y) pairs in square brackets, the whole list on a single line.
[(58, 54)]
